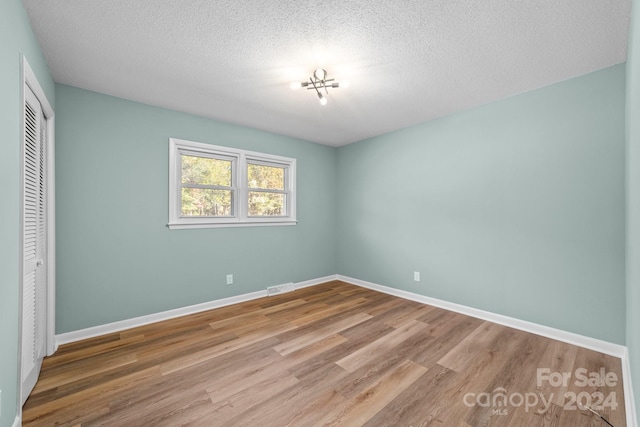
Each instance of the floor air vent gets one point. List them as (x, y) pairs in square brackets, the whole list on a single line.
[(280, 289)]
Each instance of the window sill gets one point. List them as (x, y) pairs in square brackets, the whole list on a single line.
[(180, 226)]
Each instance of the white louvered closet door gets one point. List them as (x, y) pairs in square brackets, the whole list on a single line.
[(34, 278)]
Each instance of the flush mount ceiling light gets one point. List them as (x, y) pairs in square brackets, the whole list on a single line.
[(318, 82)]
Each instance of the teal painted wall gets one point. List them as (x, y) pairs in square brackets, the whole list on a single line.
[(516, 207), (116, 257), (16, 38), (633, 201)]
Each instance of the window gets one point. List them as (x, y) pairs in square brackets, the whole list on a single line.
[(213, 186)]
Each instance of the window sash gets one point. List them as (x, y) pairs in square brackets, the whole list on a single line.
[(230, 207), (285, 191), (274, 165), (284, 205), (232, 189)]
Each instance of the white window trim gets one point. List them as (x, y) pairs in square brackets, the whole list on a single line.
[(240, 202)]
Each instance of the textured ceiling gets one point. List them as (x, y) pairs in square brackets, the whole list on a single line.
[(407, 61)]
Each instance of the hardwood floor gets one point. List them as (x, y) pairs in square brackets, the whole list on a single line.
[(332, 354)]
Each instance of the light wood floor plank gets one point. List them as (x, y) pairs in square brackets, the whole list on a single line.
[(320, 334), (365, 405), (369, 372), (383, 345)]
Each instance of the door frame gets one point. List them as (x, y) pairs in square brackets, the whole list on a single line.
[(28, 78)]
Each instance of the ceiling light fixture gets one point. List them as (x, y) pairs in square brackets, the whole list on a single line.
[(318, 82)]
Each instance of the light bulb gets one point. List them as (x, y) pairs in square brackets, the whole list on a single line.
[(320, 74), (344, 84), (295, 85), (323, 99)]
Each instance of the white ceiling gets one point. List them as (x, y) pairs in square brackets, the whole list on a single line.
[(407, 61)]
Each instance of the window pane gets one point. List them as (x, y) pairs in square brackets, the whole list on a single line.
[(266, 204), (267, 177), (206, 202), (206, 171)]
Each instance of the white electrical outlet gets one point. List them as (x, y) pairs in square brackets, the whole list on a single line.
[(229, 279), (416, 276)]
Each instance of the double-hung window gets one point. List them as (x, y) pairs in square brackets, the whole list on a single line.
[(213, 186)]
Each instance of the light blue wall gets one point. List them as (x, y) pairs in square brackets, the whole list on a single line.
[(116, 257), (633, 201), (515, 207), (16, 38)]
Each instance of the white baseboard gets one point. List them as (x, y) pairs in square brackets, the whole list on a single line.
[(313, 282), (18, 421), (121, 325), (629, 400), (545, 331)]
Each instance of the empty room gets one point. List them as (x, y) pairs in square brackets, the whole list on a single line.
[(278, 213)]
